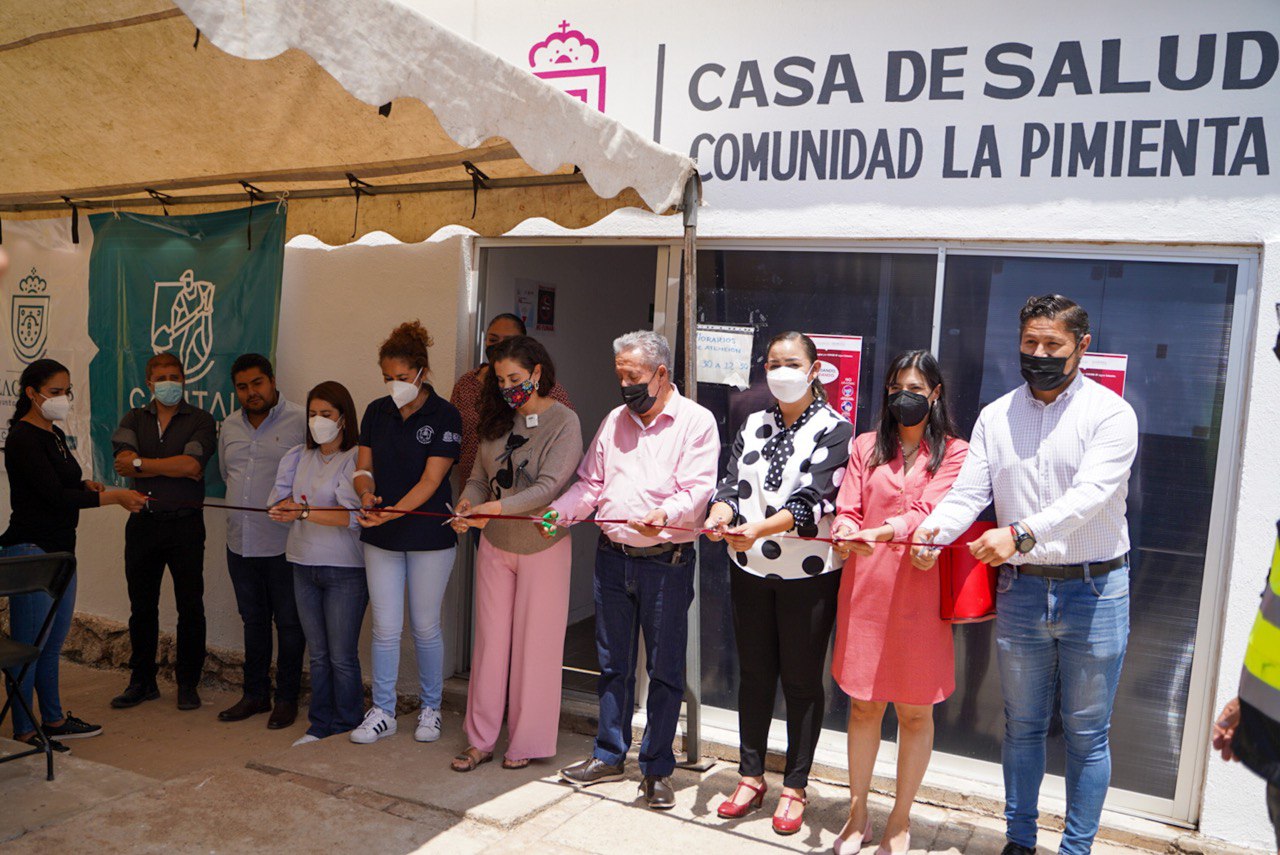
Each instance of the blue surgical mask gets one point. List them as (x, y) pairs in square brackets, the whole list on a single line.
[(168, 392)]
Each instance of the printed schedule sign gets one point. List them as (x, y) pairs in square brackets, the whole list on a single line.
[(840, 358), (724, 354), (1109, 369)]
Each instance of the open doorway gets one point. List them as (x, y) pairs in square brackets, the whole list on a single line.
[(576, 300)]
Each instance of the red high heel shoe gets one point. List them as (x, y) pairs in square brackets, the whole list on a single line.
[(784, 824), (729, 810)]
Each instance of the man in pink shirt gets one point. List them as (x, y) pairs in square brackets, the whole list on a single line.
[(653, 463)]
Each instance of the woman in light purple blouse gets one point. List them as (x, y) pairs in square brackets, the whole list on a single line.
[(328, 560)]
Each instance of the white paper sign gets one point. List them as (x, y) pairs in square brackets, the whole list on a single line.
[(724, 355)]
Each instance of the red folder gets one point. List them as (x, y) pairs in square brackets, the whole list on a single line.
[(968, 585)]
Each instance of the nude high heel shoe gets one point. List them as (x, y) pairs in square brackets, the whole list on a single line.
[(854, 844)]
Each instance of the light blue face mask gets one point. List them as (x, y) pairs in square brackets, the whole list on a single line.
[(168, 392)]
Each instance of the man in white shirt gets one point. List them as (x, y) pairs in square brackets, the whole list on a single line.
[(1054, 455)]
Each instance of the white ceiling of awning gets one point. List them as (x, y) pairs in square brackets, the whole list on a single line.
[(102, 98)]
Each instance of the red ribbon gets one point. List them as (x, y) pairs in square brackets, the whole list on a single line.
[(560, 521)]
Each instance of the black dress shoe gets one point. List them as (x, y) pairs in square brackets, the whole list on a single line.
[(282, 716), (244, 708), (135, 694), (657, 792), (591, 771), (1012, 848), (188, 698)]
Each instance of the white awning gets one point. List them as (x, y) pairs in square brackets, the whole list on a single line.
[(105, 100)]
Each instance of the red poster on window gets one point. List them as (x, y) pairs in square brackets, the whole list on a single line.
[(1108, 369), (840, 361)]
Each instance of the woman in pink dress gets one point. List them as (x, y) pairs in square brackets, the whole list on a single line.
[(891, 646)]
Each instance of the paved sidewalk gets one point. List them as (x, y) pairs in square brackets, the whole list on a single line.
[(161, 781)]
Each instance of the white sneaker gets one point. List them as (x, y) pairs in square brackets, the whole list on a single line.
[(428, 725), (305, 739), (376, 725)]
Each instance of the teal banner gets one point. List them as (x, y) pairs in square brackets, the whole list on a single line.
[(205, 288)]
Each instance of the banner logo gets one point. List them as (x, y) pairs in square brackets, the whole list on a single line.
[(569, 61), (30, 318), (182, 322)]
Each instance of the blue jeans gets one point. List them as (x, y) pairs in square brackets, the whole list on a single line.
[(331, 604), (26, 615), (633, 595), (1072, 634), (264, 594), (425, 574)]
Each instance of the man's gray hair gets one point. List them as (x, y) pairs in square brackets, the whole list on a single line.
[(653, 348)]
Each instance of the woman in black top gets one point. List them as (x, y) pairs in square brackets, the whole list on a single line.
[(46, 494)]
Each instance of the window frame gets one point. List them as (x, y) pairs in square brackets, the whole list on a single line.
[(951, 771)]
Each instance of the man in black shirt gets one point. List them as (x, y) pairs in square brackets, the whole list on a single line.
[(164, 447)]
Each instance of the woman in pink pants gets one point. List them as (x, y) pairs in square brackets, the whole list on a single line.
[(530, 446)]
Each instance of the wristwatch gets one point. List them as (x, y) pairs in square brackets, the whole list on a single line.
[(1023, 540), (137, 464)]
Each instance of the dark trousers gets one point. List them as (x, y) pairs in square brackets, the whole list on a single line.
[(634, 595), (264, 593), (151, 544), (783, 630), (331, 604)]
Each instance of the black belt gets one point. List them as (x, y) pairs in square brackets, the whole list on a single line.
[(1064, 572), (162, 516), (674, 550)]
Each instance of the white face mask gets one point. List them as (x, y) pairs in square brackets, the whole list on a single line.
[(788, 384), (56, 409), (323, 430), (403, 393)]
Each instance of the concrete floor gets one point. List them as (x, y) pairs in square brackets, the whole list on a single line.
[(160, 780)]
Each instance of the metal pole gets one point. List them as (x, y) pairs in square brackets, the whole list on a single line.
[(693, 651)]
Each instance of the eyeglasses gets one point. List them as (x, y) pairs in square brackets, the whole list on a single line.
[(506, 478)]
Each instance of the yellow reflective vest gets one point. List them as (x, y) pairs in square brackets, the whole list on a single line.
[(1260, 680)]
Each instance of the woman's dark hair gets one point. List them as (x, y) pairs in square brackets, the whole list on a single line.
[(938, 426), (810, 351), (335, 394), (34, 376), (409, 342), (510, 318), (496, 416)]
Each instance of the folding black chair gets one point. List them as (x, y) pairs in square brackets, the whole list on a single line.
[(29, 574)]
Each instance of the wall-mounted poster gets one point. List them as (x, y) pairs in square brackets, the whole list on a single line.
[(546, 308), (841, 361), (1108, 369)]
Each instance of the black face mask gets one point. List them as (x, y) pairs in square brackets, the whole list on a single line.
[(637, 397), (1044, 373), (909, 408), (488, 353)]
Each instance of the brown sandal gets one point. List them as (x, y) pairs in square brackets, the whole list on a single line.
[(471, 758), (508, 763)]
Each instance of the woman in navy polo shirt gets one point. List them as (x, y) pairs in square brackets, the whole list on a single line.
[(408, 442)]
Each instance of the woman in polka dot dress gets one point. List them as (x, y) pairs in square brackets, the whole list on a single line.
[(891, 646), (782, 476)]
